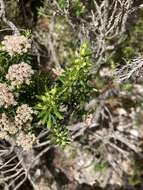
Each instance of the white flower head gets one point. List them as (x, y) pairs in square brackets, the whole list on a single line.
[(16, 44), (19, 74), (23, 116), (6, 96), (25, 140)]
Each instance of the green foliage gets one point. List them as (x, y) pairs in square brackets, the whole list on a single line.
[(74, 81), (49, 108), (134, 180), (101, 167), (70, 91), (127, 87), (63, 3), (60, 136), (132, 45), (136, 177), (28, 33), (76, 6)]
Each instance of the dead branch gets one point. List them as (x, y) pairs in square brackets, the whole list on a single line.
[(5, 20), (131, 71)]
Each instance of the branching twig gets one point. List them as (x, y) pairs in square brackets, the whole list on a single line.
[(5, 20), (133, 71)]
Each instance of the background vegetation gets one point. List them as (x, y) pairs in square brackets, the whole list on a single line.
[(86, 95)]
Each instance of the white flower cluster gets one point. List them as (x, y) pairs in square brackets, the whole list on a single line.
[(7, 125), (15, 126), (6, 96), (25, 140), (23, 115), (16, 44), (4, 135), (19, 74)]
